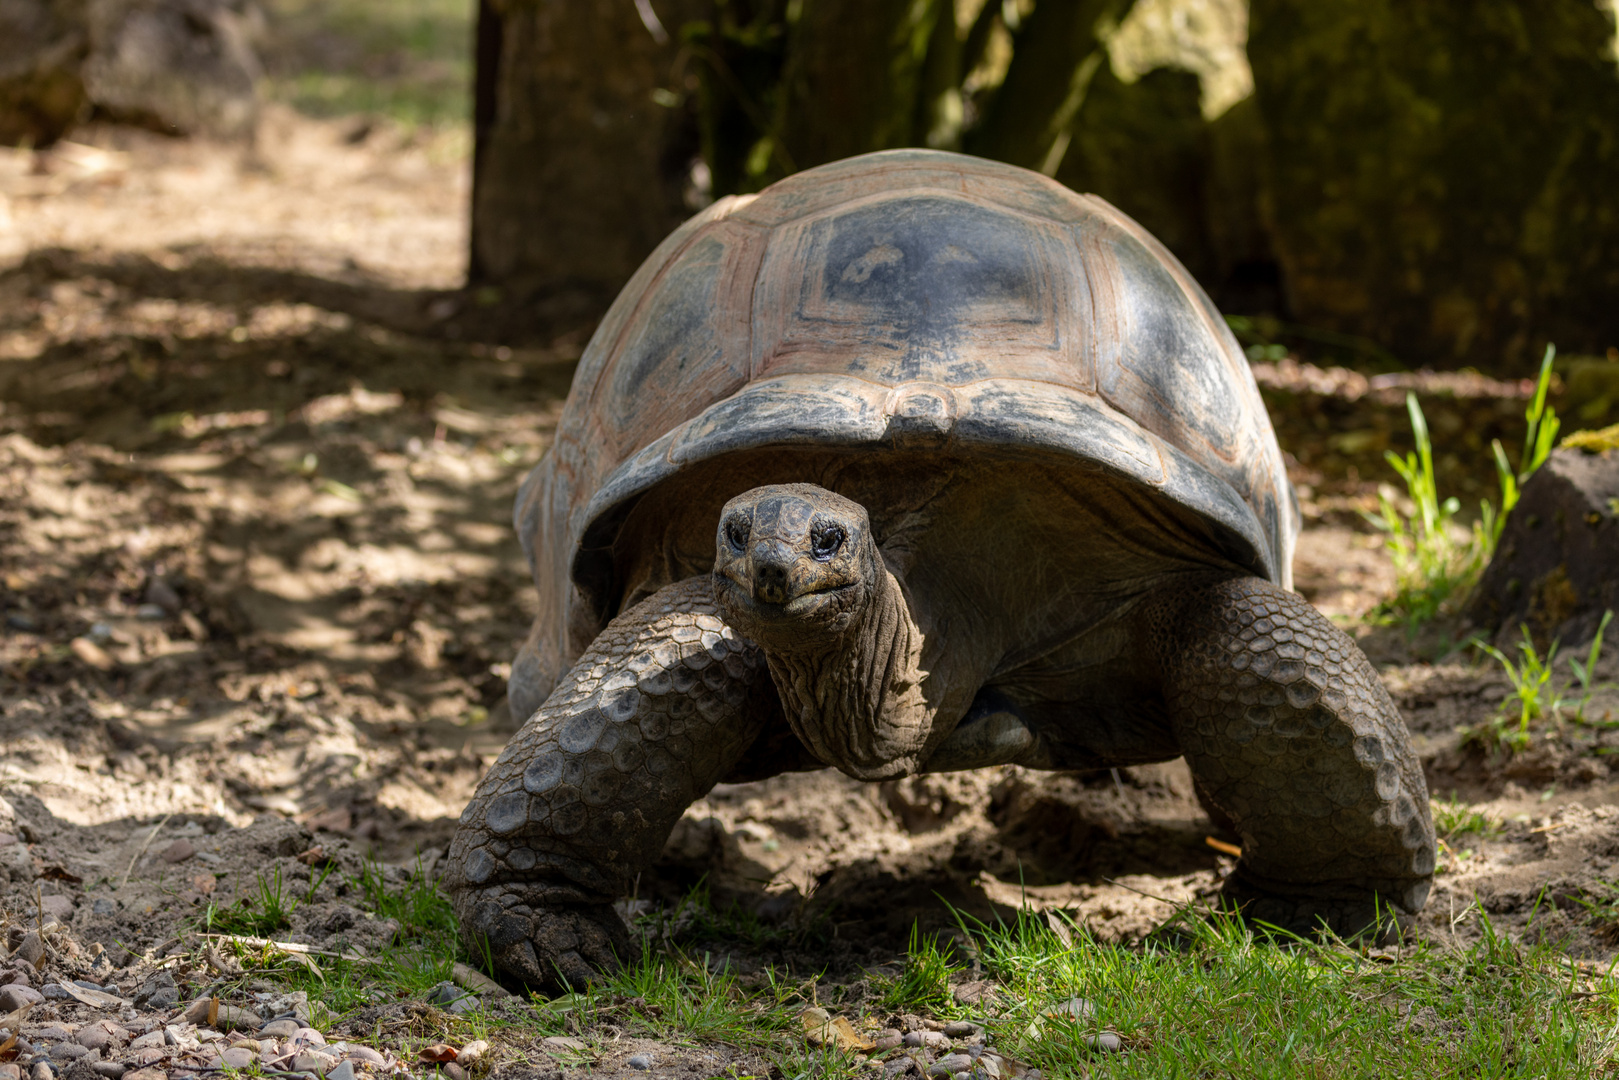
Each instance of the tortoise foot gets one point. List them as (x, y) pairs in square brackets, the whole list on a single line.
[(1370, 916), (559, 947)]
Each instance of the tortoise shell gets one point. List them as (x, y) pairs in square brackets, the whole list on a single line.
[(903, 300)]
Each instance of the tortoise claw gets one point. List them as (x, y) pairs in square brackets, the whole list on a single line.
[(560, 948)]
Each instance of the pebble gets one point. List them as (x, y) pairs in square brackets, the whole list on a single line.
[(933, 1040), (640, 1061), (17, 976), (32, 949), (68, 1051), (112, 1070), (343, 1071), (312, 1061), (151, 613), (453, 1071), (42, 1070), (238, 1057), (98, 1035), (280, 1029), (59, 907), (1107, 1040), (950, 1065), (562, 1044), (16, 996), (960, 1029), (887, 1042), (309, 1037), (18, 621), (233, 1018), (363, 1053), (150, 1039), (146, 1074), (9, 1071), (103, 906), (54, 992), (471, 1052), (178, 852), (147, 1055)]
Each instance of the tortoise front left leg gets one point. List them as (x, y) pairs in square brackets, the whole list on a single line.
[(663, 704)]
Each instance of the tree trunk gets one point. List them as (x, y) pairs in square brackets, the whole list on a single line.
[(854, 76), (578, 170), (1054, 56)]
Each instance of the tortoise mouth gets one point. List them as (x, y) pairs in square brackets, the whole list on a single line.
[(805, 603)]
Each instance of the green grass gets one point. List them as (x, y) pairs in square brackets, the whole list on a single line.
[(1228, 1004), (924, 984), (1436, 561), (1210, 999), (408, 60), (1454, 819)]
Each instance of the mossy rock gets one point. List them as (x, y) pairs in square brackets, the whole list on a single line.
[(1440, 177)]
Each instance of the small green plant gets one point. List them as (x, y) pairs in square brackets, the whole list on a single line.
[(924, 985), (1585, 673), (1453, 819), (1533, 694), (1436, 561), (259, 914)]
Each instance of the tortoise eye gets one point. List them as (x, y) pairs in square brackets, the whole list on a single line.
[(825, 540), (736, 533)]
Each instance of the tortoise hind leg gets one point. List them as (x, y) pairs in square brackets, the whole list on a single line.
[(663, 704), (1291, 734)]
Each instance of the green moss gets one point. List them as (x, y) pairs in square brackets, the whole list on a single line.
[(1593, 442)]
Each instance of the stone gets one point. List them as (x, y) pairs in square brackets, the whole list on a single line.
[(68, 1051), (357, 1052), (146, 1074), (1108, 1041), (453, 1071), (178, 852), (54, 992), (312, 1061), (309, 1037), (280, 1029), (159, 991), (112, 1070), (238, 1057), (950, 1065), (932, 1040), (41, 1070), (344, 1070), (150, 1039), (10, 1071), (1553, 569), (99, 1035), (104, 906), (1383, 224), (14, 997), (961, 1029), (31, 948), (642, 1062), (887, 1042), (185, 68), (235, 1018), (58, 906), (17, 976)]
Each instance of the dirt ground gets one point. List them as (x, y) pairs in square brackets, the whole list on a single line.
[(259, 589)]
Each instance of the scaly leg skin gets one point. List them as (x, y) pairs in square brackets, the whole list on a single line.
[(663, 703), (1292, 735)]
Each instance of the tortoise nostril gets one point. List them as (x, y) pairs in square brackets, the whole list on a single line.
[(771, 575)]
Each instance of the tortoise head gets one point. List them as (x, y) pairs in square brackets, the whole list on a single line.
[(794, 565)]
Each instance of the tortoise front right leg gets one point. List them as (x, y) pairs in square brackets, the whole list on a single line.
[(661, 706), (1290, 733)]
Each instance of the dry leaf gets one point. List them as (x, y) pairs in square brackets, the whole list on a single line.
[(438, 1053), (822, 1028), (98, 998), (1059, 926), (8, 1049)]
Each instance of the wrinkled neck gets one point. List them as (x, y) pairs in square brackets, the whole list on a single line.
[(856, 698)]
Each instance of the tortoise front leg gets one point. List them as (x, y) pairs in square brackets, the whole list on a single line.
[(660, 707), (1289, 731)]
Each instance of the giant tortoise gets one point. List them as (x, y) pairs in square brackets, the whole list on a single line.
[(909, 463)]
